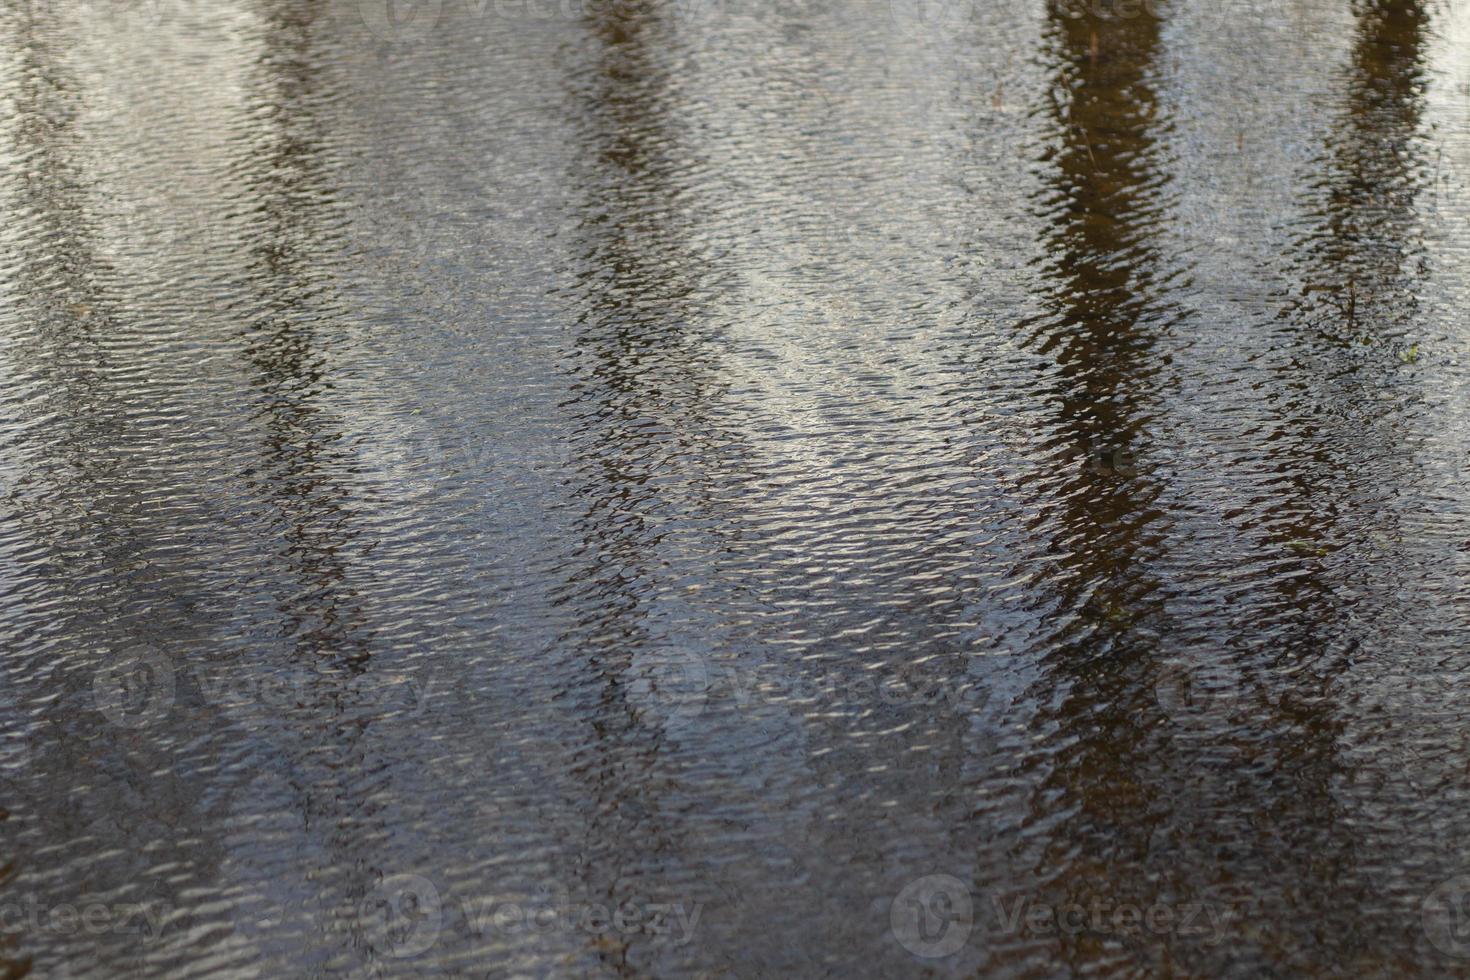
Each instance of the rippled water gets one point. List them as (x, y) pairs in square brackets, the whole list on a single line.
[(735, 487)]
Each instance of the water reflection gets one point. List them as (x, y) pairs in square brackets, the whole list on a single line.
[(779, 620), (12, 967), (103, 575), (1364, 248), (643, 383), (1109, 293), (1107, 288), (1357, 262), (291, 313), (1161, 818), (719, 562), (303, 472), (1342, 627)]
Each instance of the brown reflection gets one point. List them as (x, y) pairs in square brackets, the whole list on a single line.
[(1245, 814), (294, 230), (640, 397), (658, 520), (11, 967), (293, 222), (1106, 287), (1364, 252), (108, 499), (634, 359), (1107, 291), (1358, 266), (108, 575)]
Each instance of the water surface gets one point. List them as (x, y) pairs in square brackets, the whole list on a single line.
[(638, 487)]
